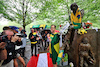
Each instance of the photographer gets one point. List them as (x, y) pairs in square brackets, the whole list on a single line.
[(11, 41), (22, 49)]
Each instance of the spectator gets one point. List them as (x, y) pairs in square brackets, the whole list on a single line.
[(33, 38), (40, 38), (45, 39), (39, 34), (54, 45)]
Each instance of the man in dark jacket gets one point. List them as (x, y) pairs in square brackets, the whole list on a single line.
[(33, 38), (12, 40)]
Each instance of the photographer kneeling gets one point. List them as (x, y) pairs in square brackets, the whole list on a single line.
[(12, 40)]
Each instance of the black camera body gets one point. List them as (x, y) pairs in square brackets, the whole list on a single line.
[(20, 35), (3, 38)]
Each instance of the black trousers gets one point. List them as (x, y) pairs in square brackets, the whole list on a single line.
[(41, 42), (33, 45), (48, 44), (45, 43)]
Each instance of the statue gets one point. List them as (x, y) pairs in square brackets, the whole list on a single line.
[(85, 53), (66, 41), (75, 16)]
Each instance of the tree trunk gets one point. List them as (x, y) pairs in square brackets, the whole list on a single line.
[(23, 15)]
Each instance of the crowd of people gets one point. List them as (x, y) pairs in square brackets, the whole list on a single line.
[(13, 43), (49, 40)]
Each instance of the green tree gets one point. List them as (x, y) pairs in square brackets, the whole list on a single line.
[(3, 7), (51, 11)]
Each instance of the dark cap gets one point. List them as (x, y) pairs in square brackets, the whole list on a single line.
[(23, 31), (6, 28)]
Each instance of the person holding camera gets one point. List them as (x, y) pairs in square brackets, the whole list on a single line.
[(22, 49), (11, 41), (18, 51)]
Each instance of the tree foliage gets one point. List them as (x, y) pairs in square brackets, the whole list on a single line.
[(51, 11)]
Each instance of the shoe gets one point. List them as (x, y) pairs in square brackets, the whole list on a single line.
[(32, 54), (36, 55)]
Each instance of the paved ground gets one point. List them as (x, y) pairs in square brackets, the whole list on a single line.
[(63, 66), (28, 52)]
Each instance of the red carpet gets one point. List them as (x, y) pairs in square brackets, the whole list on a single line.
[(42, 60)]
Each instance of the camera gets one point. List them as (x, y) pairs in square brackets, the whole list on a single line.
[(3, 38), (20, 35)]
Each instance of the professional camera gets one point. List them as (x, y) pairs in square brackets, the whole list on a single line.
[(3, 38)]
